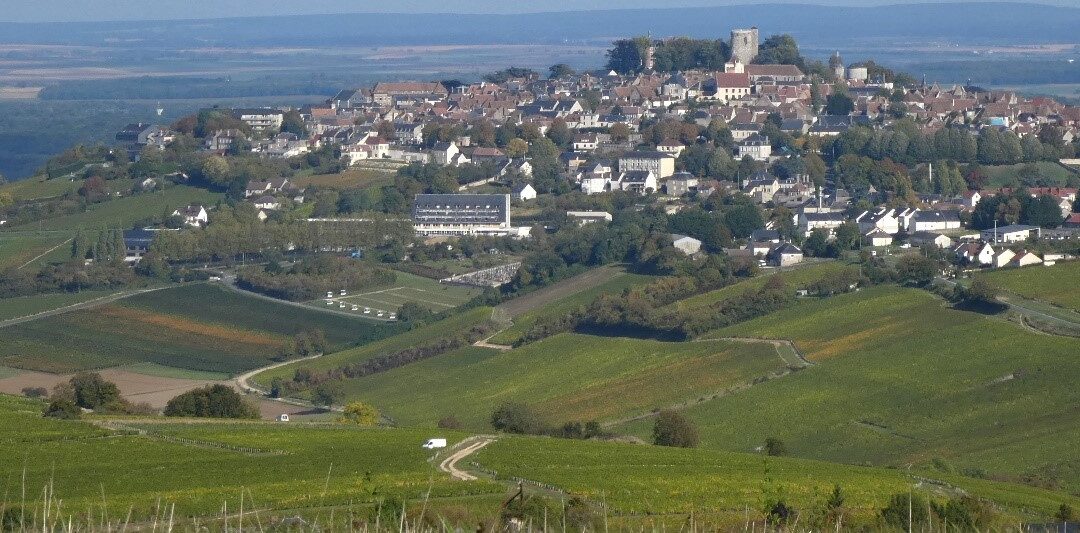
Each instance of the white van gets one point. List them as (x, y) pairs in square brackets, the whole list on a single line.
[(434, 444)]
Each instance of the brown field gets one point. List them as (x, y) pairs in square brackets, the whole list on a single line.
[(183, 325), (140, 388)]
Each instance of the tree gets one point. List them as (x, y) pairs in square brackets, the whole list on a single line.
[(91, 391), (839, 103), (516, 148), (780, 49), (414, 312), (1042, 211), (63, 409), (560, 133), (848, 236), (385, 129), (1065, 513), (673, 429), (914, 269), (94, 189), (619, 132), (450, 422), (216, 170), (516, 418), (817, 244), (981, 292), (904, 505), (775, 447), (627, 56), (561, 70), (293, 123), (211, 401), (360, 414), (323, 396)]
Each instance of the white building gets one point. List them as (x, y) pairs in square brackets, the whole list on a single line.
[(660, 164), (1008, 234), (756, 146), (193, 215), (686, 245)]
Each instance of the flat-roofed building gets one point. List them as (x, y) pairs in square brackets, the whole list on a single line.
[(462, 214)]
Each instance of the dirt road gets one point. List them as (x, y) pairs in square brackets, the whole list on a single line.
[(468, 447)]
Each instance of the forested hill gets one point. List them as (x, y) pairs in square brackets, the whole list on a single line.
[(812, 24)]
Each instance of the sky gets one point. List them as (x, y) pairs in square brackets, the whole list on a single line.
[(96, 10)]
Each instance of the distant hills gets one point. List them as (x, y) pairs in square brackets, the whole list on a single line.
[(999, 23)]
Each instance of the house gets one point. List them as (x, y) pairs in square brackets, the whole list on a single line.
[(274, 186), (267, 202), (520, 167), (877, 237), (740, 131), (831, 220), (261, 119), (586, 142), (447, 153), (726, 86), (1003, 257), (681, 183), (137, 244), (887, 220), (639, 181), (786, 254), (1024, 258), (523, 192), (462, 214), (971, 199), (1072, 221), (482, 154), (409, 133), (388, 93), (756, 146), (933, 221), (1011, 233), (685, 244), (760, 249), (660, 164), (193, 215), (765, 235), (672, 148), (975, 253), (222, 140), (588, 217), (923, 238)]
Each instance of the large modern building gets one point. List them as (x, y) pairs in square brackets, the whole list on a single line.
[(463, 214)]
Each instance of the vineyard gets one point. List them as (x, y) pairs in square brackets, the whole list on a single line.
[(31, 305), (198, 327), (567, 377), (124, 212), (901, 378), (1058, 284)]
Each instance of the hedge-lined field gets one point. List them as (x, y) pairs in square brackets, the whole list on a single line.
[(902, 378), (1058, 284), (432, 332), (615, 285), (123, 212), (664, 485), (32, 305), (566, 377), (799, 277), (196, 327)]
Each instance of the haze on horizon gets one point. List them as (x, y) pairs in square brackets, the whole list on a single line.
[(104, 10)]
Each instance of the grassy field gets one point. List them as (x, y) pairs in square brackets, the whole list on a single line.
[(1058, 284), (798, 277), (408, 288), (123, 212), (353, 178), (31, 305), (200, 327), (316, 470), (37, 188), (569, 303), (297, 468), (900, 378), (566, 377), (17, 249), (444, 328), (1051, 173), (667, 484)]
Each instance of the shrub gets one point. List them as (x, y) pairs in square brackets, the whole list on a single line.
[(360, 414), (212, 401), (1065, 513), (895, 514), (673, 429), (62, 409), (517, 418), (775, 447), (93, 392), (35, 392), (450, 422)]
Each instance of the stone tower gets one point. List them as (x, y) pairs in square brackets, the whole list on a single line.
[(744, 45), (836, 63)]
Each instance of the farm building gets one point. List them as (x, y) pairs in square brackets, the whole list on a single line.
[(786, 254)]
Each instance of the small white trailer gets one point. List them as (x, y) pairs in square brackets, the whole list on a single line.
[(434, 444)]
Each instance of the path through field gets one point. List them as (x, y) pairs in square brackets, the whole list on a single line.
[(547, 295), (468, 446), (81, 305)]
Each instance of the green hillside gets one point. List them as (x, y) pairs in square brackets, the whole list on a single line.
[(615, 285), (18, 249), (196, 327), (31, 305), (799, 277), (196, 472), (900, 378), (566, 377), (123, 212), (1058, 284), (664, 485)]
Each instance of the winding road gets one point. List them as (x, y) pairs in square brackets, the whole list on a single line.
[(466, 447)]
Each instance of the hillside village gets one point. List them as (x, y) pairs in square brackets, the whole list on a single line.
[(844, 144)]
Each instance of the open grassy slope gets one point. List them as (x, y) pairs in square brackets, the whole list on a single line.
[(18, 249), (287, 470), (653, 481), (1058, 284), (569, 303), (1004, 175), (291, 467), (197, 327), (566, 377), (798, 277), (38, 303), (123, 212), (900, 378)]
